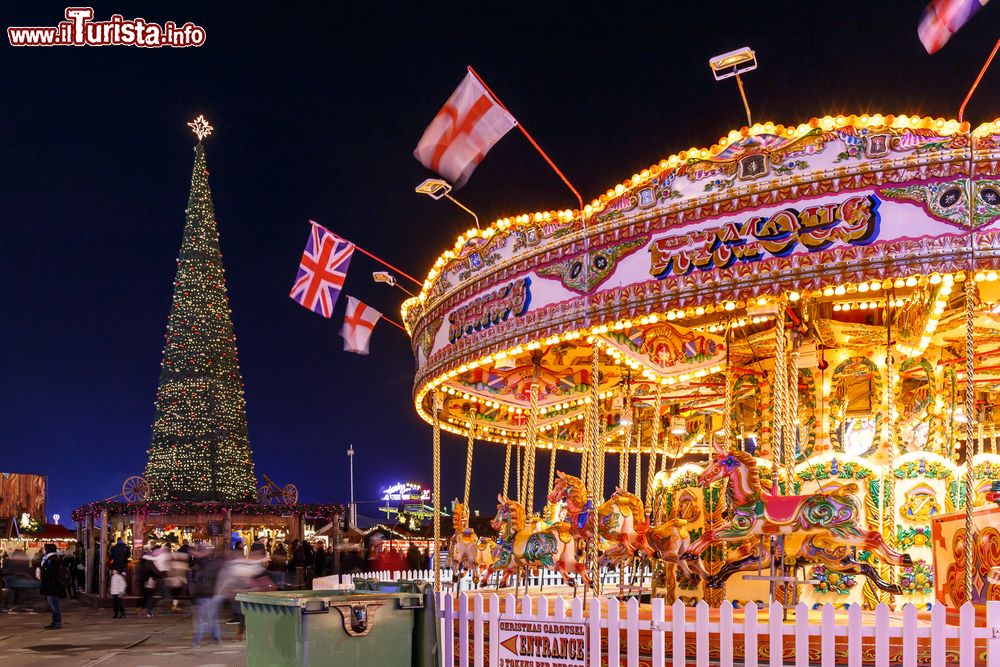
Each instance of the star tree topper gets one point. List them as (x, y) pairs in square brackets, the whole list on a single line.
[(200, 127)]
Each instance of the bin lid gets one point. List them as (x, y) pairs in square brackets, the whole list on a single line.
[(302, 598)]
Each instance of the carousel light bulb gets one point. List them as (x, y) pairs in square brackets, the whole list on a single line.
[(991, 276), (840, 290), (792, 296), (980, 277), (911, 281), (935, 278), (862, 287), (899, 283)]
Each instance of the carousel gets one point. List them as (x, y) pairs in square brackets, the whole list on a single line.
[(763, 371)]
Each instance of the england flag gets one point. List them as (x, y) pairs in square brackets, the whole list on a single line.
[(359, 322), (461, 134)]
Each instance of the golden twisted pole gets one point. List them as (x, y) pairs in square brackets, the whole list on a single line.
[(552, 461), (970, 298), (637, 485), (506, 472), (517, 476), (436, 463), (592, 435), (651, 473), (888, 511), (792, 417), (468, 464), (528, 483), (780, 385), (623, 467)]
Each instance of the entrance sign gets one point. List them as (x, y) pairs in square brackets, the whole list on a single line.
[(542, 644)]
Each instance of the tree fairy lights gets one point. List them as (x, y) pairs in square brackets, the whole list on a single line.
[(200, 449)]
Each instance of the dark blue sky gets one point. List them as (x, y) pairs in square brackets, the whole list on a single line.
[(317, 112)]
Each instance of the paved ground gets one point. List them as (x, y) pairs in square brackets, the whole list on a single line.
[(92, 637)]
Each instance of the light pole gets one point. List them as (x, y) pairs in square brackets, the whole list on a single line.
[(435, 188), (352, 511), (732, 64)]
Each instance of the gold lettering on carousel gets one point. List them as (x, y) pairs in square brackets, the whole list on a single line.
[(489, 309), (854, 221)]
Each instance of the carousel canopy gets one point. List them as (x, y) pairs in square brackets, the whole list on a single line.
[(854, 232)]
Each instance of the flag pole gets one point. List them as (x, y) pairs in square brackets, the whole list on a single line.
[(380, 260), (529, 137), (975, 84), (393, 323)]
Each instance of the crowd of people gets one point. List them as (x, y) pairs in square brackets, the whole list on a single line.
[(198, 572)]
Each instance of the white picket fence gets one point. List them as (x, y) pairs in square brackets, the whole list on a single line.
[(476, 616), (542, 579)]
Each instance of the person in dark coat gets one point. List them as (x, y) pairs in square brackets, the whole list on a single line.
[(120, 554), (414, 561), (51, 587)]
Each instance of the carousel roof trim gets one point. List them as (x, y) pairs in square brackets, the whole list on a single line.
[(943, 126)]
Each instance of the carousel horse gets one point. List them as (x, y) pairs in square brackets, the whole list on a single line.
[(570, 490), (622, 521), (669, 541), (824, 525), (484, 558), (463, 547), (520, 549)]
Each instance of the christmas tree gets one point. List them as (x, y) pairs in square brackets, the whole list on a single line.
[(200, 449)]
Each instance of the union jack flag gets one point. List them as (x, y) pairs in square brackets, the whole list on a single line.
[(322, 270)]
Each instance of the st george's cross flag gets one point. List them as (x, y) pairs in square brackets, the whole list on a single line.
[(461, 134), (359, 322), (943, 18), (322, 270)]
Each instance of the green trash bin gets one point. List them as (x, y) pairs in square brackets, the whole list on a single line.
[(312, 628)]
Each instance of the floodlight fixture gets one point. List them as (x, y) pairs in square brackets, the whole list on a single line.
[(732, 64), (389, 279), (384, 277), (435, 188)]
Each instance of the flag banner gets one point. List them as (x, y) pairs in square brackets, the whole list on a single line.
[(463, 132), (322, 270), (943, 18), (359, 322)]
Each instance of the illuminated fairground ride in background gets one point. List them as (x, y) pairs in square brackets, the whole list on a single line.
[(770, 336)]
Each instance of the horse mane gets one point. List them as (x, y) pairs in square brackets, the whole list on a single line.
[(576, 493), (747, 459), (458, 519), (517, 515), (633, 502)]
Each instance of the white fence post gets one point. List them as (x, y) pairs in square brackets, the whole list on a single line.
[(909, 636), (657, 633), (678, 620), (776, 628), (632, 632), (614, 639), (967, 635), (494, 630), (701, 633), (992, 641), (750, 635), (881, 636), (854, 636), (801, 635), (594, 630), (938, 621), (478, 625), (463, 630), (725, 634), (448, 636), (828, 624)]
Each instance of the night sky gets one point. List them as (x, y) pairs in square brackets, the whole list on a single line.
[(316, 116)]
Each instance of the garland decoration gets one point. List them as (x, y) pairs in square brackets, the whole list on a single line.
[(177, 507)]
